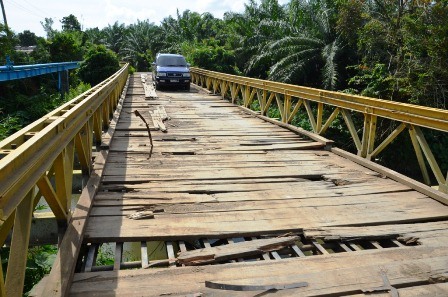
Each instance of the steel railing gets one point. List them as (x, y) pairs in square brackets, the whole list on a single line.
[(289, 99), (38, 161)]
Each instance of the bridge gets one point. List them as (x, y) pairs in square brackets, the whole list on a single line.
[(195, 194), (11, 72)]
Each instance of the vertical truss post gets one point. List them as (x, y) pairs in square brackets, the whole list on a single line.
[(208, 82), (320, 112), (97, 125), (245, 91), (262, 98), (368, 134), (287, 108), (63, 169), (105, 114), (224, 88), (15, 275), (215, 86), (365, 136), (372, 136)]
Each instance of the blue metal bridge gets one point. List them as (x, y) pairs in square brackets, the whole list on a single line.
[(11, 72)]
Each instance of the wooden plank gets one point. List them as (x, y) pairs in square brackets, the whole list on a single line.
[(221, 173), (415, 291), (324, 276), (323, 140), (297, 251), (149, 91), (320, 248), (170, 252), (234, 251), (434, 194), (395, 200), (157, 120), (344, 247), (421, 230), (253, 221)]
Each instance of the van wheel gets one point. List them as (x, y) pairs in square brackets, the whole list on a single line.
[(187, 87), (157, 86)]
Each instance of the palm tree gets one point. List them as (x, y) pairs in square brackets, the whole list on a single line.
[(138, 44), (306, 55), (252, 31), (114, 36)]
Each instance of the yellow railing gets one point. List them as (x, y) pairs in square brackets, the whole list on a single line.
[(38, 161), (291, 98)]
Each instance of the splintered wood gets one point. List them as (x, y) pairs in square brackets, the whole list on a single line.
[(216, 172), (148, 86), (234, 250)]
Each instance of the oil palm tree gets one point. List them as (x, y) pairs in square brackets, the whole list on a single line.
[(306, 54)]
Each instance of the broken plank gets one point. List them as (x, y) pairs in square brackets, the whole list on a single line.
[(234, 250), (325, 275)]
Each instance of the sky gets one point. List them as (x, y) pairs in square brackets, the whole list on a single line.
[(27, 14)]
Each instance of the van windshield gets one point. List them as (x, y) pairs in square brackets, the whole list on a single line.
[(171, 61)]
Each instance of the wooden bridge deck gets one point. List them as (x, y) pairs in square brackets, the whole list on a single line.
[(232, 201)]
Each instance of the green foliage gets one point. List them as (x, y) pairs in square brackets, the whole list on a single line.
[(39, 262), (9, 125), (105, 255), (209, 55), (6, 44), (374, 82), (131, 69), (65, 47), (70, 23), (99, 64), (47, 24), (137, 44), (27, 38), (76, 91)]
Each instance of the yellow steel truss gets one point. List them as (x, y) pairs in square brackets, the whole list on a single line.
[(38, 161)]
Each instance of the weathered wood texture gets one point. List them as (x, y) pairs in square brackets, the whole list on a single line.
[(219, 172)]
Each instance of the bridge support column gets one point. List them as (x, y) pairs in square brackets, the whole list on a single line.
[(59, 81)]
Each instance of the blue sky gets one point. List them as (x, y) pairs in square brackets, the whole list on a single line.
[(27, 14)]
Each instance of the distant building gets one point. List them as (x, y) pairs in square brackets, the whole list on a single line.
[(25, 49)]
